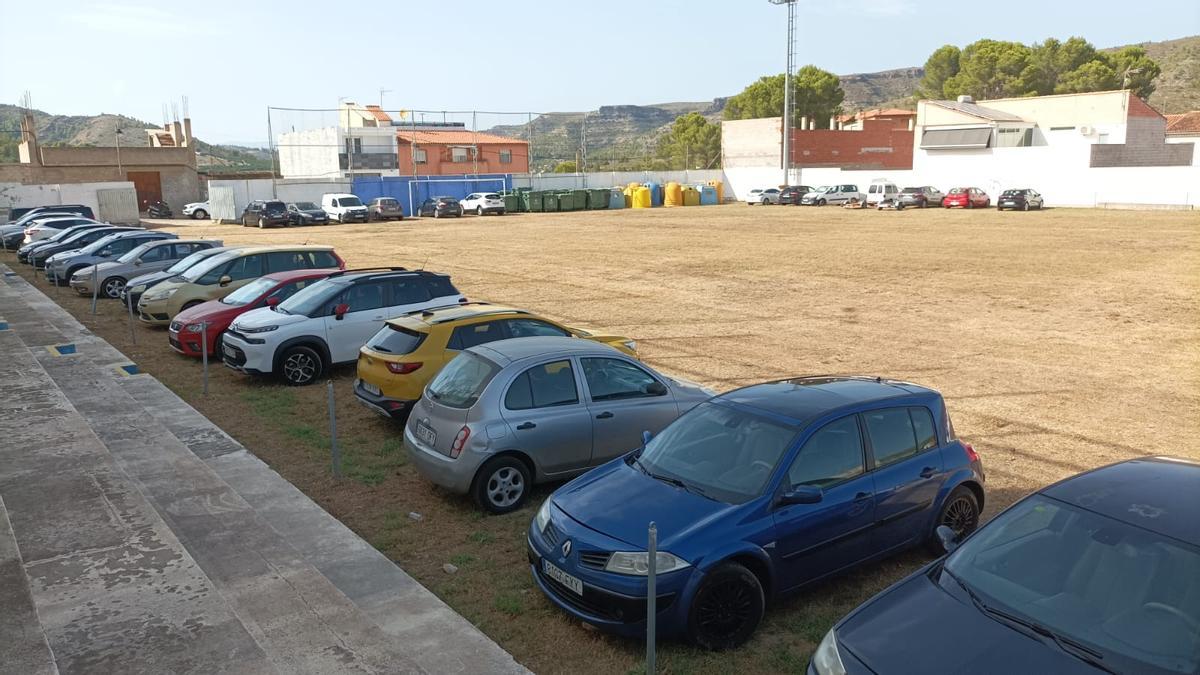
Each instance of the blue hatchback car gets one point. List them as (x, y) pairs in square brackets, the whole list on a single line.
[(755, 493), (1097, 573)]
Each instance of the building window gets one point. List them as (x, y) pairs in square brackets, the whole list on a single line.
[(506, 156), (1014, 138), (419, 156), (458, 154)]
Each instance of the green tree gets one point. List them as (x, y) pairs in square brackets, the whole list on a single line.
[(566, 167), (1051, 60), (939, 67), (816, 94), (692, 143), (1092, 76), (1141, 69), (990, 69)]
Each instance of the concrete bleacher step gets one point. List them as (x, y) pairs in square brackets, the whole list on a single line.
[(23, 646), (310, 594)]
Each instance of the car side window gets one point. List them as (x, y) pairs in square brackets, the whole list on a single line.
[(832, 455), (156, 254), (465, 337), (892, 435), (533, 328), (288, 290), (365, 296), (922, 421), (322, 260), (408, 291), (543, 386), (611, 379), (246, 267), (214, 275)]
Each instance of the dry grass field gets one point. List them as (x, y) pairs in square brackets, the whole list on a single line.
[(1062, 340)]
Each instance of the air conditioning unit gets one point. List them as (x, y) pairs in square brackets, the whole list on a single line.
[(1086, 131)]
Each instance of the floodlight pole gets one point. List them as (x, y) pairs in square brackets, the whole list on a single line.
[(786, 159)]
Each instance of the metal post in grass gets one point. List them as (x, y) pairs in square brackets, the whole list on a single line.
[(95, 286), (333, 444), (204, 352), (132, 333), (651, 595)]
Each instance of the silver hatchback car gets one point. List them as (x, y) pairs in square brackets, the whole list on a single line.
[(504, 415), (153, 256)]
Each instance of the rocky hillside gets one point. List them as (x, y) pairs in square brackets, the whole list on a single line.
[(1177, 89)]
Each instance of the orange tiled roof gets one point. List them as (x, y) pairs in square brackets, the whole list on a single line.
[(453, 138), (1184, 123), (878, 112), (379, 114)]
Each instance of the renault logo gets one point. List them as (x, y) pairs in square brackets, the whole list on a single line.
[(566, 548)]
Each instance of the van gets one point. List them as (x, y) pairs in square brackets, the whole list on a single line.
[(881, 190), (344, 208)]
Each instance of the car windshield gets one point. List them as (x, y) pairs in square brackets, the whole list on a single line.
[(135, 252), (198, 270), (189, 261), (349, 201), (958, 191), (275, 206), (1012, 193), (305, 206), (98, 244), (725, 453), (63, 235), (309, 300), (1127, 595), (249, 293), (829, 188), (462, 381)]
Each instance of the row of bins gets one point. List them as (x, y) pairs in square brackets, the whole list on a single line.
[(633, 195)]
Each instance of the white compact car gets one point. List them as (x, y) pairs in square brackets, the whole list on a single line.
[(763, 196), (832, 194), (483, 203), (344, 208), (196, 210), (327, 322)]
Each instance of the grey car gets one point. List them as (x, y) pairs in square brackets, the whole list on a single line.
[(152, 256), (60, 267), (505, 415)]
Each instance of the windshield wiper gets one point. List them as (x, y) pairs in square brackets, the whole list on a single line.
[(1067, 645), (379, 348), (671, 480)]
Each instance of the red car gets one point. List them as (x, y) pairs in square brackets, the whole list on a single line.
[(967, 198), (266, 291)]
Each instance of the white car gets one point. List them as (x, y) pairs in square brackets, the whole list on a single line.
[(832, 194), (482, 203), (763, 196), (196, 210), (43, 228), (880, 191), (327, 322), (343, 207)]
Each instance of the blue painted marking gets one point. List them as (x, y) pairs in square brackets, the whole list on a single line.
[(3, 325), (130, 369), (63, 350)]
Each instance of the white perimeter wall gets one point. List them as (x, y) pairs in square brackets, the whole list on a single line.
[(16, 195), (246, 191)]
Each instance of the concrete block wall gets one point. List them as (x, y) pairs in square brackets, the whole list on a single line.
[(1144, 145)]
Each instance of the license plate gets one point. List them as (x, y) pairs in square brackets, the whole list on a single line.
[(427, 435), (228, 351), (573, 583), (370, 388)]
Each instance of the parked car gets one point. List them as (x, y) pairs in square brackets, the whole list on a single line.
[(222, 274), (306, 213), (136, 286), (344, 208), (832, 194), (763, 196), (505, 415), (187, 331), (395, 365), (967, 198), (384, 208), (438, 207), (151, 256), (921, 197), (265, 213), (483, 203), (69, 209), (62, 267), (327, 322), (1096, 573), (26, 250), (1020, 198), (757, 493), (880, 191), (41, 251), (793, 194), (43, 228), (197, 210), (12, 234)]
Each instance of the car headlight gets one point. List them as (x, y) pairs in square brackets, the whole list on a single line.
[(193, 328), (140, 288), (637, 563), (826, 660), (631, 345), (543, 516), (160, 295), (260, 329)]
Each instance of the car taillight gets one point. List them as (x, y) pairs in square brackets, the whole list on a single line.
[(971, 454), (403, 368), (460, 441)]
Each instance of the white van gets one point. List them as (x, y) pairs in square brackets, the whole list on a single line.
[(344, 208), (881, 190)]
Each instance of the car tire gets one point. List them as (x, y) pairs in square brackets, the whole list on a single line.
[(112, 287), (479, 211), (262, 224), (727, 607), (765, 201), (1025, 207), (820, 202), (960, 512), (502, 484), (300, 365), (199, 214)]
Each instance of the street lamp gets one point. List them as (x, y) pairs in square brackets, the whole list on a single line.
[(1128, 72), (787, 85), (119, 172)]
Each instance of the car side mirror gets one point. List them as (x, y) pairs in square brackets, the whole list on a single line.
[(656, 389), (340, 311), (802, 494), (947, 537), (225, 280), (137, 263), (271, 302), (646, 436)]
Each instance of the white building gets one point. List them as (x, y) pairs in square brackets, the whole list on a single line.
[(363, 144)]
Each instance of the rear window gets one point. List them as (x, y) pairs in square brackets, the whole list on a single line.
[(396, 340), (390, 203), (440, 286), (491, 196), (462, 381), (912, 191), (958, 191)]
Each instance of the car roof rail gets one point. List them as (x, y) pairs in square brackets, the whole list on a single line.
[(361, 270)]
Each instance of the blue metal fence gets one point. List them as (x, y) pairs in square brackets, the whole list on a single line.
[(412, 191)]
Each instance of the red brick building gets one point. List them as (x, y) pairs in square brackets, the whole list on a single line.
[(458, 152), (873, 139)]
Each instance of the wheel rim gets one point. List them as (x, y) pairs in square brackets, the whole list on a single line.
[(261, 223), (724, 609), (112, 287), (960, 516), (505, 487), (299, 368), (479, 210)]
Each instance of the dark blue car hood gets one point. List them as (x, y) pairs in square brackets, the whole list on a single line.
[(619, 500), (918, 627)]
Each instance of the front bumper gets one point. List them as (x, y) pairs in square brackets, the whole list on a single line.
[(82, 286), (392, 408), (455, 475), (154, 312), (240, 354), (189, 343)]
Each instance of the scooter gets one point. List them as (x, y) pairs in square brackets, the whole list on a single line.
[(159, 210)]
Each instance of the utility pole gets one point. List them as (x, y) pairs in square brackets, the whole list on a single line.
[(383, 91), (787, 85), (120, 173)]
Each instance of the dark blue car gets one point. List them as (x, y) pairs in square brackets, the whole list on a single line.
[(755, 493), (1097, 573)]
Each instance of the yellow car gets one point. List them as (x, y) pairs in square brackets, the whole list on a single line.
[(396, 364)]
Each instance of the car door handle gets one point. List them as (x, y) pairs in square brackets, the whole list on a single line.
[(862, 496), (928, 472), (604, 415), (526, 425)]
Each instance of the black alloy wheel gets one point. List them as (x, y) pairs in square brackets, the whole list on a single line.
[(727, 608)]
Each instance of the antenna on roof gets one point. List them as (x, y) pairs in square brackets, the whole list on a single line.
[(422, 267)]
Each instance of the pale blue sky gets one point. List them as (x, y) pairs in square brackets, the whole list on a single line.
[(232, 58)]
